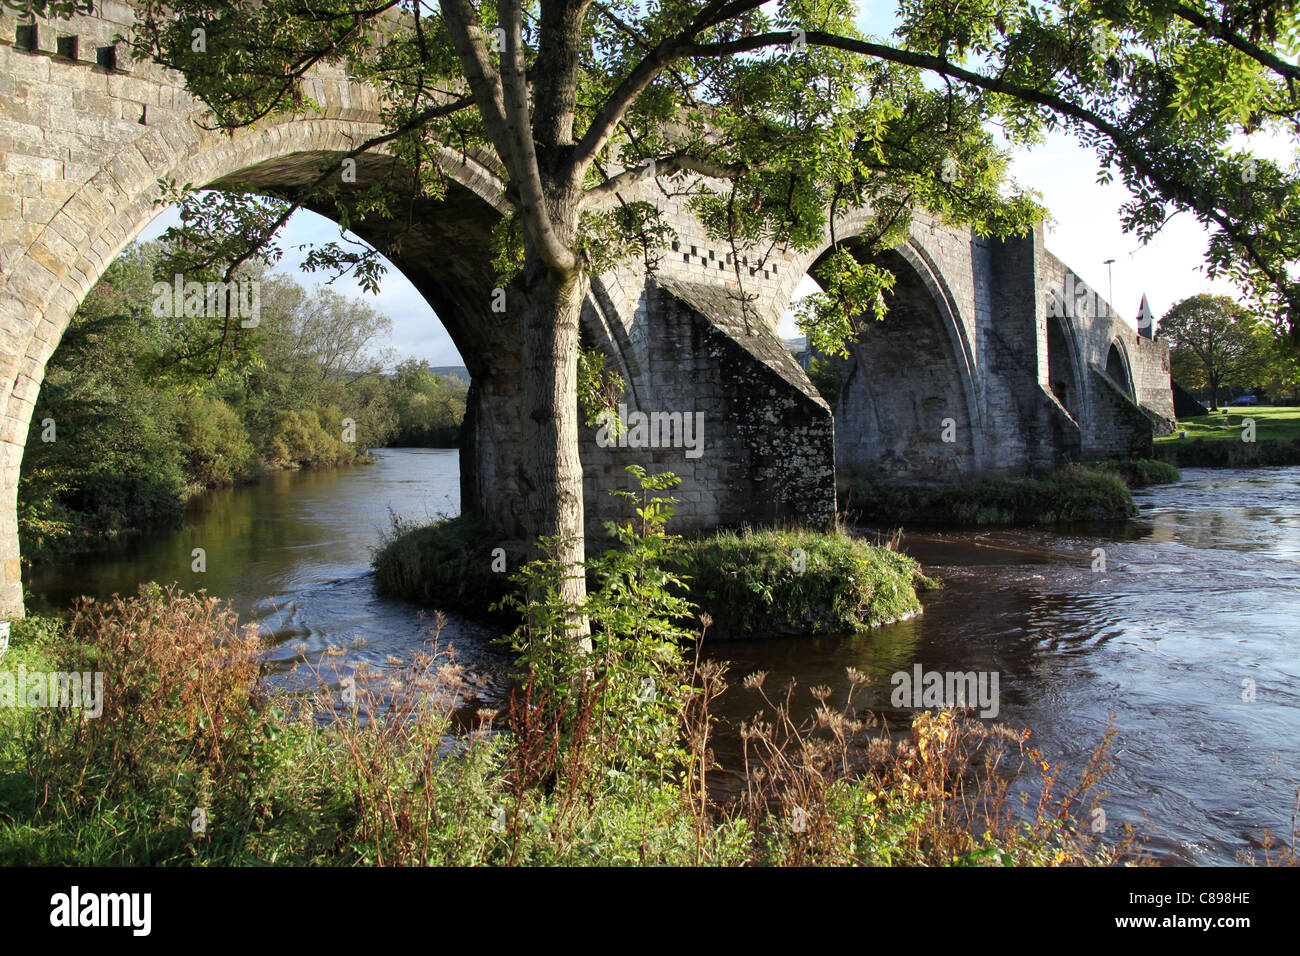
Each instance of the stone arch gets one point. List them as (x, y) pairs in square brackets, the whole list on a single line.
[(922, 277), (1118, 367), (1064, 370), (908, 408), (43, 285)]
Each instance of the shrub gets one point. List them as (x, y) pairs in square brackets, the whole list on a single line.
[(839, 789), (180, 676), (214, 444), (308, 438)]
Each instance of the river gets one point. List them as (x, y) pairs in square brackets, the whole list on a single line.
[(1190, 636)]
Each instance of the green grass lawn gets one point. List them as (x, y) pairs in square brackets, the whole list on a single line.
[(1282, 421)]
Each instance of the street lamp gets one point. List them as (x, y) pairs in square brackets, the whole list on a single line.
[(1110, 287)]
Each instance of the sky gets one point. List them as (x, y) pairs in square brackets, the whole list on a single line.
[(1084, 231)]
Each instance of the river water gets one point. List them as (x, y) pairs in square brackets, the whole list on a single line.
[(1190, 636)]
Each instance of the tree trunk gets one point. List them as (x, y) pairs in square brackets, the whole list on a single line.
[(1214, 392), (551, 469)]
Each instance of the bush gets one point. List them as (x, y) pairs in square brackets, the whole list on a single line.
[(214, 443), (309, 438)]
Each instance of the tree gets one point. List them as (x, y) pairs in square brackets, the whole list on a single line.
[(774, 117), (1215, 340), (102, 452), (1282, 376), (428, 407)]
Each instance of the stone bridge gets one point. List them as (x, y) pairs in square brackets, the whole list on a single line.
[(992, 360)]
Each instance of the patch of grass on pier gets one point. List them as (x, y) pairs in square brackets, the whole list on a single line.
[(1073, 494), (762, 583), (1140, 472), (753, 583), (452, 565)]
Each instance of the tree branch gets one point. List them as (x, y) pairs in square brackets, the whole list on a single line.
[(1123, 142), (525, 172), (1238, 42), (484, 83), (558, 59), (642, 75), (676, 163)]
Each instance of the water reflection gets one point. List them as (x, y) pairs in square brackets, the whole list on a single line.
[(293, 554)]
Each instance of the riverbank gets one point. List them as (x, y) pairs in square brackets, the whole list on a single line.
[(1093, 492), (750, 582), (1236, 437), (59, 521), (1198, 593), (188, 762)]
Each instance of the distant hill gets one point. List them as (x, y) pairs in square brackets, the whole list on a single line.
[(451, 371)]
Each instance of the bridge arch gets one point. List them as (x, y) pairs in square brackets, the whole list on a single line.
[(43, 285), (1118, 367), (1064, 367), (909, 407)]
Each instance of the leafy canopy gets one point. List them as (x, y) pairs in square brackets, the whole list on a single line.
[(775, 118)]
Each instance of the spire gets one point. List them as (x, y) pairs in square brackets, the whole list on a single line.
[(1146, 321)]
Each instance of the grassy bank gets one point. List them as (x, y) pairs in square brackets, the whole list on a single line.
[(191, 762), (1280, 422), (1076, 493), (1215, 441), (752, 583)]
